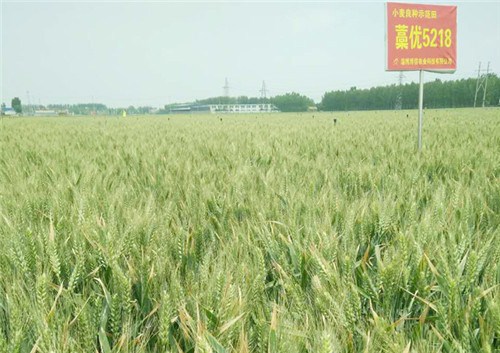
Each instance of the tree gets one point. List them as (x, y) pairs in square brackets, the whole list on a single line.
[(16, 105), (292, 102), (437, 94)]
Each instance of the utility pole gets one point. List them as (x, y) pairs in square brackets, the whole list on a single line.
[(482, 82), (29, 103), (226, 88), (486, 82), (399, 97), (420, 109), (263, 90)]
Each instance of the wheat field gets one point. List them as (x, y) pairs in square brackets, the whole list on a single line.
[(243, 233)]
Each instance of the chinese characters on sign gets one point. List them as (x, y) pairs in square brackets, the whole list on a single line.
[(421, 37), (407, 13)]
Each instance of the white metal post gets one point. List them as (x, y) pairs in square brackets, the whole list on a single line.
[(420, 110)]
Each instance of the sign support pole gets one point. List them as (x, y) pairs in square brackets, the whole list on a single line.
[(420, 109)]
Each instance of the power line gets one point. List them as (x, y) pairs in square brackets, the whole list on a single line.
[(29, 103), (399, 97), (482, 82), (486, 82), (263, 90), (226, 88)]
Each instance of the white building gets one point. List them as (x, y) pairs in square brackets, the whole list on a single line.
[(8, 111), (45, 113), (243, 108)]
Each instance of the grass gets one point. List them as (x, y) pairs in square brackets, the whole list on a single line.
[(272, 233)]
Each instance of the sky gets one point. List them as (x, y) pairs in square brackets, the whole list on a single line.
[(153, 53)]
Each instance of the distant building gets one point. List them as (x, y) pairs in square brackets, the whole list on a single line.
[(8, 111), (46, 112), (223, 108), (243, 108), (189, 109)]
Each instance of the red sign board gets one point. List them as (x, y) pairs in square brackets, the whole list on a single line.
[(421, 37)]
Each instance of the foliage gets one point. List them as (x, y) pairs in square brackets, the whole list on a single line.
[(80, 108), (274, 233), (289, 102), (16, 105), (437, 94), (292, 102), (94, 109)]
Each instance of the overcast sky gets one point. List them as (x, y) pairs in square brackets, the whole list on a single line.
[(153, 53)]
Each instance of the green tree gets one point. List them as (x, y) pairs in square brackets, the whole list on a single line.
[(437, 94), (16, 105), (292, 102)]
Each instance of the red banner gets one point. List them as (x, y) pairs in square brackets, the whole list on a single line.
[(421, 37)]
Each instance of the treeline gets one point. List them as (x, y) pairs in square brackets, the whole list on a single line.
[(88, 109), (289, 102), (437, 94), (77, 109)]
